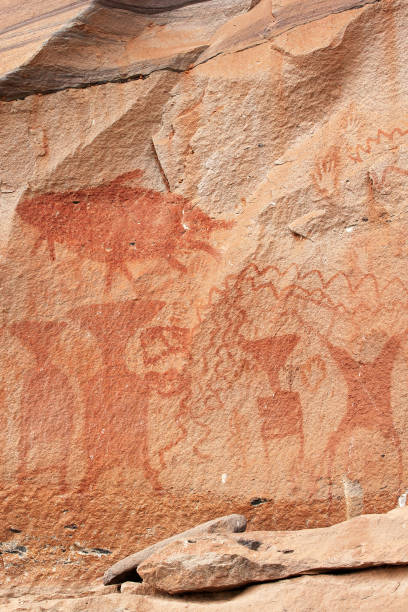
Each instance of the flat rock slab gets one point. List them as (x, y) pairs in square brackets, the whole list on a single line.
[(221, 562), (126, 569), (366, 591)]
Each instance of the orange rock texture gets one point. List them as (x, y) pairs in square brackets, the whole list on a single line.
[(204, 281)]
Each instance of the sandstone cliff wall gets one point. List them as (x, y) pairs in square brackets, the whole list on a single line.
[(204, 287)]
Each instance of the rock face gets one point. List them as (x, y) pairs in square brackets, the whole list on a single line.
[(204, 289), (227, 561), (126, 569), (106, 41)]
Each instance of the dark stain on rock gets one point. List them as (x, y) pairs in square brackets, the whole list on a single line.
[(251, 544), (256, 501)]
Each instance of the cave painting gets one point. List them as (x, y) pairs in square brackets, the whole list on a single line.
[(165, 352), (362, 310), (117, 222), (383, 154), (369, 397), (161, 341), (313, 373), (223, 363), (163, 346), (117, 399), (357, 311), (380, 156), (47, 407), (281, 412), (325, 175)]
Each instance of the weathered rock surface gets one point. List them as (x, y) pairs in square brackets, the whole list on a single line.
[(126, 569), (27, 26), (368, 591), (107, 41), (227, 561), (170, 350)]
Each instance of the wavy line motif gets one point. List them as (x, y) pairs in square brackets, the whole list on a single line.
[(368, 146), (297, 289)]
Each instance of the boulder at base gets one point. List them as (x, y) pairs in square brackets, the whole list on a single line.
[(222, 562), (126, 569)]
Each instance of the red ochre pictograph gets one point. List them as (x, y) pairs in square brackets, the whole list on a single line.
[(358, 154), (253, 323), (368, 383), (325, 175), (227, 358), (312, 305), (118, 222), (281, 412), (161, 341), (117, 400), (369, 397), (384, 145), (47, 407)]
